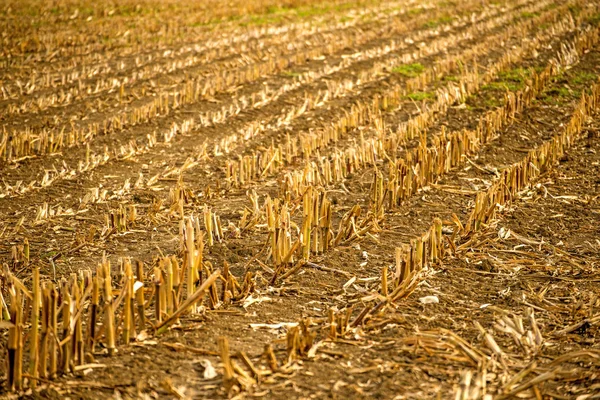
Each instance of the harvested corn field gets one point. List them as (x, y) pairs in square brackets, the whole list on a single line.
[(300, 199)]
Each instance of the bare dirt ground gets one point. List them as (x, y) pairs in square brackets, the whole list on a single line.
[(121, 136)]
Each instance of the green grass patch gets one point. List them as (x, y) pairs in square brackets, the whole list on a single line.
[(263, 20), (483, 101), (291, 74), (560, 96), (48, 254), (566, 92), (420, 96), (493, 102), (434, 23), (416, 11), (310, 11), (575, 9), (511, 80), (409, 70), (450, 78), (215, 21), (502, 86), (529, 15), (546, 100), (276, 14), (550, 7), (516, 75), (584, 78), (430, 24), (594, 19)]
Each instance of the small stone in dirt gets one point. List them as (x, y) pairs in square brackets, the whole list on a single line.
[(429, 300), (209, 370)]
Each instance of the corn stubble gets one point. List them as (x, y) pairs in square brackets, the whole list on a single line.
[(66, 323), (93, 313)]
